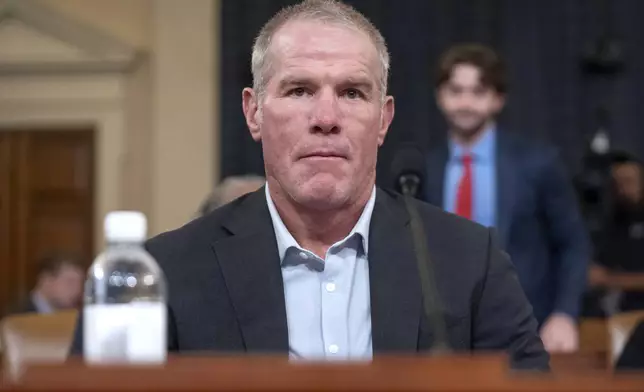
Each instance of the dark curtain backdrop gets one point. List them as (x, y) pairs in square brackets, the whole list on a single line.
[(541, 40)]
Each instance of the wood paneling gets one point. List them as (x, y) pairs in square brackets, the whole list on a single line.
[(46, 202), (5, 217)]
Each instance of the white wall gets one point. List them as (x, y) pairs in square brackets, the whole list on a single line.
[(183, 109), (130, 21)]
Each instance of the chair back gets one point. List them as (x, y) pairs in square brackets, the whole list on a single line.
[(36, 338), (620, 328)]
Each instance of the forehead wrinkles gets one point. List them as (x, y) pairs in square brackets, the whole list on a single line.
[(298, 39)]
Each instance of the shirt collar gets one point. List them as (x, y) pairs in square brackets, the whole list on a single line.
[(482, 150), (285, 239), (40, 303)]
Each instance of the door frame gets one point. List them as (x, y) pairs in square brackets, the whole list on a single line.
[(73, 101)]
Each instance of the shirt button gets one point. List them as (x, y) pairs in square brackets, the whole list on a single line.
[(333, 349), (330, 287), (304, 256)]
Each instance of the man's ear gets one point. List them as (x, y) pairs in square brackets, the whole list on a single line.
[(386, 118), (437, 98), (250, 106), (500, 102)]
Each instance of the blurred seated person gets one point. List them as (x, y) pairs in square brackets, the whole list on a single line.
[(230, 189), (59, 286), (620, 251)]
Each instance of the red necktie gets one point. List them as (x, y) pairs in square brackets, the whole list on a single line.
[(464, 194)]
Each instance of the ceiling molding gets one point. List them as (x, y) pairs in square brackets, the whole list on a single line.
[(100, 52)]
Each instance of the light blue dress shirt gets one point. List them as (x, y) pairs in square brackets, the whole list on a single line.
[(328, 307), (484, 188), (41, 304)]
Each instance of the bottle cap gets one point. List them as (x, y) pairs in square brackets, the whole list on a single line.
[(125, 226)]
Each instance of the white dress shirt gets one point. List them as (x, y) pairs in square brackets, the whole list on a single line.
[(328, 305)]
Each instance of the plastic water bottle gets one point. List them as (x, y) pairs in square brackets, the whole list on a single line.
[(125, 312)]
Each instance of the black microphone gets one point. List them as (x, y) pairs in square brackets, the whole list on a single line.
[(432, 304), (408, 170)]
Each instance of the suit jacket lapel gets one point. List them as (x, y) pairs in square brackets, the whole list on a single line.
[(436, 162), (251, 269), (506, 186), (395, 288)]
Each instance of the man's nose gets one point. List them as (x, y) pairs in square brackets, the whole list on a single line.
[(464, 101), (325, 117)]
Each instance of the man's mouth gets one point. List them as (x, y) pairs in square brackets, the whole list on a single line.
[(323, 155)]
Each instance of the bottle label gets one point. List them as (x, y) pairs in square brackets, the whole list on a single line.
[(134, 332)]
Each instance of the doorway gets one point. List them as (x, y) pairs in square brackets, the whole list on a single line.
[(46, 203)]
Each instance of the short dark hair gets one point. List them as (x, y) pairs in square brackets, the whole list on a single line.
[(622, 157), (52, 264), (486, 59)]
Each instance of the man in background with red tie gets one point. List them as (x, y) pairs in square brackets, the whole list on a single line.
[(501, 180)]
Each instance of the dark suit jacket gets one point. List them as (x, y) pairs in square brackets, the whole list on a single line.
[(227, 295), (538, 221)]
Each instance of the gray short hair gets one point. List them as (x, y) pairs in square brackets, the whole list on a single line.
[(228, 190), (327, 11)]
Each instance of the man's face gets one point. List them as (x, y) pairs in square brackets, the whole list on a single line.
[(322, 117), (628, 180), (63, 290), (467, 104)]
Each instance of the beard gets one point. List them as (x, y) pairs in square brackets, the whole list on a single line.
[(467, 123)]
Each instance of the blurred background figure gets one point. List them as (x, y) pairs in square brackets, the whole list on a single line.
[(619, 267), (230, 189), (498, 178), (627, 174), (59, 286)]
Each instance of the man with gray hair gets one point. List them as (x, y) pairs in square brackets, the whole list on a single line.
[(320, 263)]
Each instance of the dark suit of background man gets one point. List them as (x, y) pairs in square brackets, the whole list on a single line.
[(320, 263), (501, 180)]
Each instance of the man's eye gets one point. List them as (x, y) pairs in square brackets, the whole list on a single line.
[(298, 92), (353, 93)]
